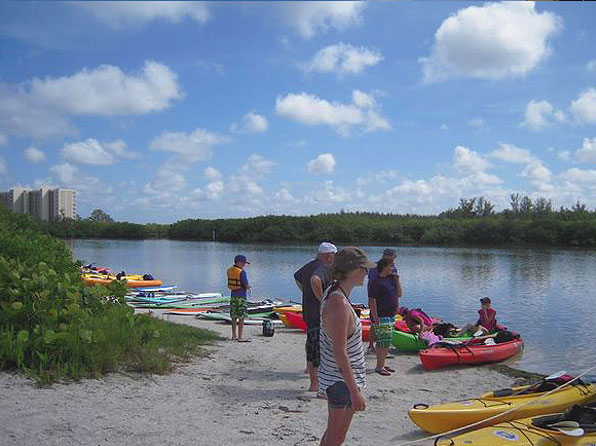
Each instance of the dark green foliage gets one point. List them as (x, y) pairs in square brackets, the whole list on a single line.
[(54, 327), (473, 222)]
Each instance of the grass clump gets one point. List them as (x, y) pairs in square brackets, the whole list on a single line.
[(53, 327)]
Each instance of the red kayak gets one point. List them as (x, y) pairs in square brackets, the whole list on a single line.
[(474, 352), (295, 320)]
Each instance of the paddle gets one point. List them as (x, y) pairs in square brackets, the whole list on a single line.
[(570, 428), (555, 375)]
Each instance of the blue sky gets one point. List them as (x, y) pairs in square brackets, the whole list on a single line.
[(156, 111)]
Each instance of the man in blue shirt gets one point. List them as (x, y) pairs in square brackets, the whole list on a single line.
[(239, 286)]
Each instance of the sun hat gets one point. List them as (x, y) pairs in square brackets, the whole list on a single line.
[(485, 299), (240, 258), (326, 248), (350, 258)]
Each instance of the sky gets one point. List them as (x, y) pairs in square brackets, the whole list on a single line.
[(162, 111)]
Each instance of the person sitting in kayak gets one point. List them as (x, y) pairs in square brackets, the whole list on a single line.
[(416, 319), (486, 323)]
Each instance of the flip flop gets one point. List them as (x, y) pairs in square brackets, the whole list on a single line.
[(383, 372), (389, 369), (244, 340)]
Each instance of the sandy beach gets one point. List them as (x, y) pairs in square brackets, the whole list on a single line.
[(241, 393)]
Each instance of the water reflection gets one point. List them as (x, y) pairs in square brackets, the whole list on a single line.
[(548, 295)]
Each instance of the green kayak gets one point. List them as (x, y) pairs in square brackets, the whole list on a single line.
[(409, 342)]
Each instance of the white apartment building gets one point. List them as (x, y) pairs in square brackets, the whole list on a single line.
[(44, 203)]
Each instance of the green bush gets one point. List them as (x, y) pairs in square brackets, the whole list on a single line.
[(54, 327)]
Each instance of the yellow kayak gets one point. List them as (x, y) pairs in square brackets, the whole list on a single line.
[(444, 417), (549, 430)]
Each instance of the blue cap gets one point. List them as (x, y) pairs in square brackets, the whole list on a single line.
[(240, 259)]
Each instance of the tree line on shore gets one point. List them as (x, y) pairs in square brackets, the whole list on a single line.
[(473, 222)]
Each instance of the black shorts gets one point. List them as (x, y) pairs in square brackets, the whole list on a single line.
[(312, 346), (338, 396)]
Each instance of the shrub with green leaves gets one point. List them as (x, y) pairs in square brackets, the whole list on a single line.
[(54, 327)]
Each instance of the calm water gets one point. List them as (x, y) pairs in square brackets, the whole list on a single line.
[(547, 295)]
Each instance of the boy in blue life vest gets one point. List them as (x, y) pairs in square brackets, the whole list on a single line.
[(239, 286)]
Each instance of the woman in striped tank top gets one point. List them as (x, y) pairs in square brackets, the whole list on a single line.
[(342, 366)]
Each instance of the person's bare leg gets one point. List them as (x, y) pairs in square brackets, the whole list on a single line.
[(234, 329), (240, 328), (338, 423), (372, 337), (314, 377), (381, 355)]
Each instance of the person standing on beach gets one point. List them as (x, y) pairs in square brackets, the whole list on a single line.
[(390, 254), (384, 294), (312, 280), (342, 371), (239, 286)]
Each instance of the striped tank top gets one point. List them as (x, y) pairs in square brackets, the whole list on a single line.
[(329, 372)]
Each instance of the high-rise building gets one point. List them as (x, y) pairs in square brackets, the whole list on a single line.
[(44, 203)]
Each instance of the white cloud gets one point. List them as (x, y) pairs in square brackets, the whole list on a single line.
[(492, 41), (587, 154), (541, 114), (35, 155), (123, 13), (40, 108), (363, 100), (309, 18), (65, 173), (283, 195), (468, 161), (3, 140), (591, 65), (93, 152), (323, 164), (343, 59), (107, 91), (252, 122), (190, 147), (576, 178), (444, 127), (256, 167), (328, 194), (534, 170), (311, 110), (564, 155), (211, 173), (165, 183), (584, 107), (512, 154)]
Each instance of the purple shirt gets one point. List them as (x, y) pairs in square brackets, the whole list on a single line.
[(384, 291)]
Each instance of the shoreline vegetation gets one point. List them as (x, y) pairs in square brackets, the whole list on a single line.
[(53, 327), (473, 223)]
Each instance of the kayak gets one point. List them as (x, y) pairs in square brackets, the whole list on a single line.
[(576, 427), (409, 342), (295, 320), (444, 417), (468, 353), (92, 280)]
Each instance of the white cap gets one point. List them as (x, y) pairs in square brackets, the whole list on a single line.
[(327, 248)]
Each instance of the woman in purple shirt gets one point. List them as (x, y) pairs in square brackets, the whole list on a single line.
[(385, 292)]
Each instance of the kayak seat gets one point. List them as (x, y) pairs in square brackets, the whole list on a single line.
[(584, 415), (502, 392)]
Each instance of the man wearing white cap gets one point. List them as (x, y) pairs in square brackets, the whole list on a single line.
[(312, 279)]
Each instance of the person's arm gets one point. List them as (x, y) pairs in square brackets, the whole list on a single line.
[(398, 290), (317, 287), (337, 317), (244, 280), (298, 279), (372, 303)]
